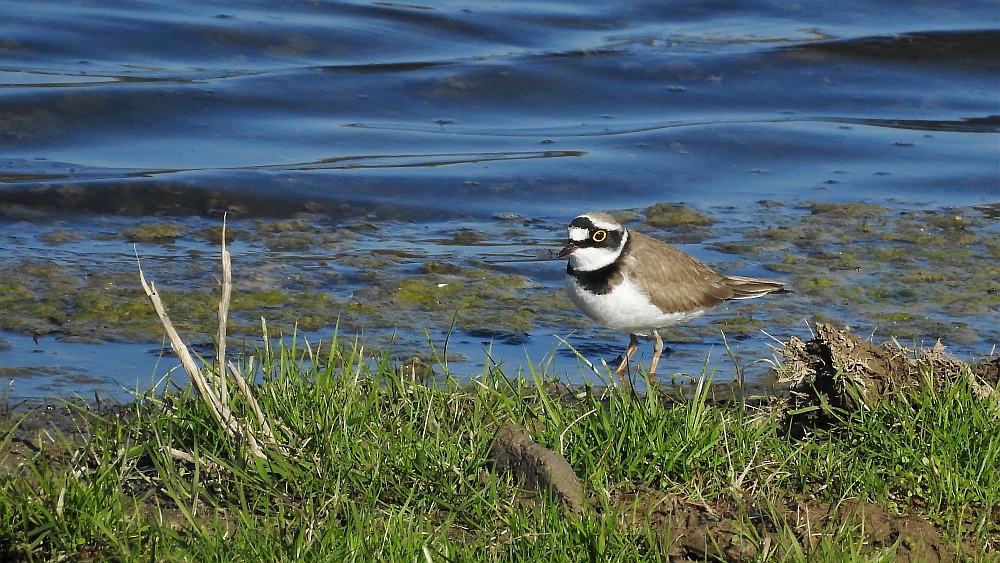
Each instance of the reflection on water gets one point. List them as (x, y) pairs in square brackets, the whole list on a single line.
[(966, 49), (421, 115)]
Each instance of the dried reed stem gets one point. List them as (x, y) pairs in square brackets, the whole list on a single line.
[(180, 348), (227, 290), (217, 399)]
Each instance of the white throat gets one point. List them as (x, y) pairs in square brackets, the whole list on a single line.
[(591, 259)]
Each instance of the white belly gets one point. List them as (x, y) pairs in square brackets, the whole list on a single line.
[(625, 308)]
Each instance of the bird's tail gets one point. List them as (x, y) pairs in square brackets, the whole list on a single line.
[(748, 288)]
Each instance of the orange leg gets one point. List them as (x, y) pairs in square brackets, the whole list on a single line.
[(633, 345), (657, 350)]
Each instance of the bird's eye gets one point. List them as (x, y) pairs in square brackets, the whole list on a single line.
[(599, 236)]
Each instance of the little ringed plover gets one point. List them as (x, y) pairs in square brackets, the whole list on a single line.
[(636, 284)]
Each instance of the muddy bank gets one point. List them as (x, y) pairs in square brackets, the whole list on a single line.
[(833, 374)]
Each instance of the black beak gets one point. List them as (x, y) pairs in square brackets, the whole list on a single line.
[(569, 249)]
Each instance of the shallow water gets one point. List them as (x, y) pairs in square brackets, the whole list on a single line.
[(428, 121)]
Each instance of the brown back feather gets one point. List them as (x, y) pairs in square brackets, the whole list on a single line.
[(692, 284)]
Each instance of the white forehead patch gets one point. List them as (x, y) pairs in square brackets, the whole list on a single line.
[(578, 234), (601, 222)]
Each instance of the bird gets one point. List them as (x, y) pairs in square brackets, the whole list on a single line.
[(629, 282)]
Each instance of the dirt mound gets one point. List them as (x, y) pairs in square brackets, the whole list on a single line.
[(838, 370), (714, 533), (688, 531)]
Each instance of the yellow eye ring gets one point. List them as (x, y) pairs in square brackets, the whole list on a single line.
[(599, 236)]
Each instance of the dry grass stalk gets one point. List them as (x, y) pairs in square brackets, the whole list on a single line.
[(241, 383), (227, 291), (216, 397)]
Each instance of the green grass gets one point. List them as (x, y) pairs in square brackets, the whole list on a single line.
[(377, 468)]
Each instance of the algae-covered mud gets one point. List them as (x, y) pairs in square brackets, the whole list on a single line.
[(900, 270), (481, 290)]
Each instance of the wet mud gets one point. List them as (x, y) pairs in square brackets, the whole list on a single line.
[(52, 429)]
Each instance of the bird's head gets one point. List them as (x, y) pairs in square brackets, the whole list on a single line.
[(595, 241)]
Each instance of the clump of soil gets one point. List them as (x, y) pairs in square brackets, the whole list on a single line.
[(705, 532), (537, 468), (837, 370)]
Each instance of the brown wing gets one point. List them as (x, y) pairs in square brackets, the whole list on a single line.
[(677, 281), (674, 280)]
